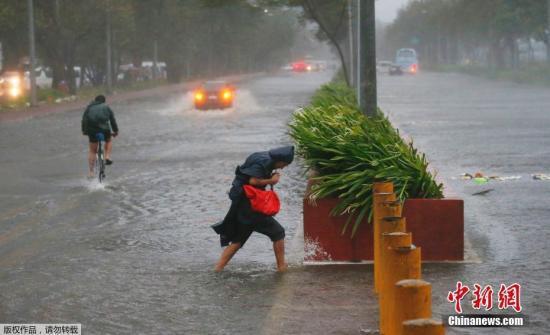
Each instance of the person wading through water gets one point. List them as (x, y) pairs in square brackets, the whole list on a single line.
[(240, 221)]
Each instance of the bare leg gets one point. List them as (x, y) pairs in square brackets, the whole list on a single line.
[(279, 249), (108, 149), (91, 158), (226, 256)]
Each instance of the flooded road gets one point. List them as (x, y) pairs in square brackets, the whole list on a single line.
[(136, 254), (466, 125)]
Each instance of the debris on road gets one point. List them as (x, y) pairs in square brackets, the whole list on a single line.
[(483, 192), (479, 179), (541, 176)]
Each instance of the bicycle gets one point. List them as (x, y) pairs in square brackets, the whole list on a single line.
[(100, 157)]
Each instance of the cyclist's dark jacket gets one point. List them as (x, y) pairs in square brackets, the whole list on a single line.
[(259, 165), (98, 117)]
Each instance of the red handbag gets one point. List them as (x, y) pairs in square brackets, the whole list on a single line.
[(265, 202)]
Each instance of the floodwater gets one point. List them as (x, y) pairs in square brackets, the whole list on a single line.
[(466, 125), (136, 254)]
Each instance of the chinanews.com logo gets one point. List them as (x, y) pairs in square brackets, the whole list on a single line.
[(482, 298)]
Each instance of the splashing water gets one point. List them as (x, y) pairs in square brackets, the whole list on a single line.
[(314, 252)]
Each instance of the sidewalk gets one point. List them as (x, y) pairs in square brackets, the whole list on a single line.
[(325, 299), (80, 104), (322, 299)]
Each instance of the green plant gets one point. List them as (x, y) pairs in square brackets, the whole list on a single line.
[(351, 151)]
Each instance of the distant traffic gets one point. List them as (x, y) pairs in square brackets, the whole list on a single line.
[(406, 61)]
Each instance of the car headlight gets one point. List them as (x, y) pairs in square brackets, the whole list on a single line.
[(15, 81), (14, 91)]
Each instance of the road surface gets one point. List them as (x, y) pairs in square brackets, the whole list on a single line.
[(467, 124), (136, 254)]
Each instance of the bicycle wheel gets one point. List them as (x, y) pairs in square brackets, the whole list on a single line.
[(101, 162)]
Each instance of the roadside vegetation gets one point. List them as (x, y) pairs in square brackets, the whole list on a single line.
[(185, 39), (54, 96), (348, 152), (498, 39)]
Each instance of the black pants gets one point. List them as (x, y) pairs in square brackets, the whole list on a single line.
[(249, 221)]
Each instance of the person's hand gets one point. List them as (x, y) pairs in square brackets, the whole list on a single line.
[(275, 178), (115, 134)]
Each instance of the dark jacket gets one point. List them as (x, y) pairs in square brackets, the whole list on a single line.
[(259, 165), (98, 117)]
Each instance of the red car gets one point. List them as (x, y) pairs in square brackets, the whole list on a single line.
[(301, 66), (214, 95)]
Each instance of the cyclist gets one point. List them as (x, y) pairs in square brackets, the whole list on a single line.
[(99, 118)]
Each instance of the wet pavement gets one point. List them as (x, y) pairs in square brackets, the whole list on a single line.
[(135, 255), (467, 125)]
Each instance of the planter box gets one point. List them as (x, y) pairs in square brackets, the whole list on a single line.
[(323, 237), (437, 226)]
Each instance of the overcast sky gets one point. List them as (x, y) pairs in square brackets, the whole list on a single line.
[(386, 10)]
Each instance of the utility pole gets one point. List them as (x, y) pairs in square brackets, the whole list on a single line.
[(367, 62), (109, 72), (32, 55), (548, 31), (155, 59), (358, 43), (350, 40)]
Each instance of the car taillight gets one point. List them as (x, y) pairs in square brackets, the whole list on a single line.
[(414, 67), (226, 95), (199, 96)]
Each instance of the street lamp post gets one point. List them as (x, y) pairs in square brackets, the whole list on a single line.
[(367, 61), (109, 72), (32, 53), (548, 32), (350, 42)]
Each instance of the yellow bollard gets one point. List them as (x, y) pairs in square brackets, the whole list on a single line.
[(382, 187), (412, 300), (399, 263), (384, 204), (390, 210), (423, 327), (390, 241)]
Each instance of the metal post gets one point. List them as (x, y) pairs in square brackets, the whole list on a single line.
[(412, 300), (155, 59), (394, 268), (109, 72), (350, 42), (401, 263), (32, 54), (358, 48), (367, 60), (548, 32), (423, 327)]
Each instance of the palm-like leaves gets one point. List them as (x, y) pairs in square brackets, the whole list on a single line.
[(350, 152)]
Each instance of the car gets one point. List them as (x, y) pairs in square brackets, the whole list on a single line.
[(301, 66), (43, 76), (407, 59), (11, 85), (286, 67), (395, 70), (383, 66), (214, 95)]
